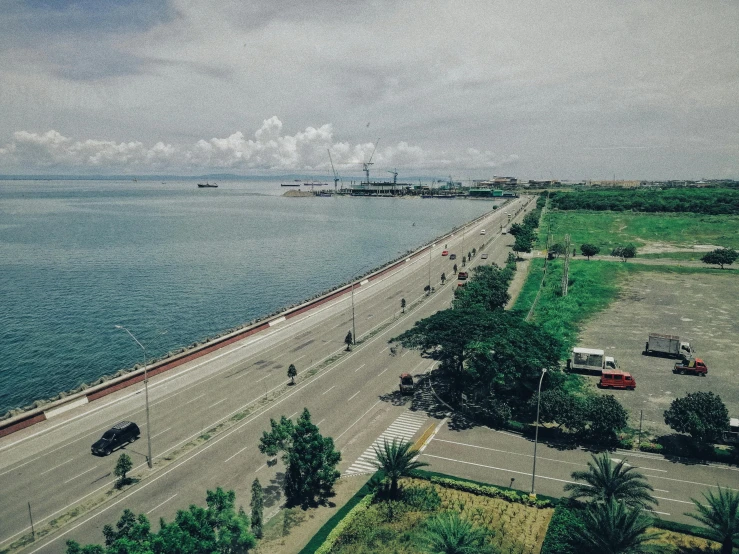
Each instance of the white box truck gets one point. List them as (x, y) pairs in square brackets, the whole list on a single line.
[(668, 345), (591, 360)]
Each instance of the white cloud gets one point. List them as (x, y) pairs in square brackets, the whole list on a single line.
[(270, 150)]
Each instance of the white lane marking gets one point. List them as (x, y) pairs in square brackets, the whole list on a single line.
[(161, 432), (383, 371), (317, 424), (352, 396), (239, 452), (404, 354), (360, 367), (262, 379), (674, 500), (292, 415), (300, 358), (496, 468), (508, 452), (260, 467), (244, 374), (53, 468), (80, 475), (353, 424), (216, 403), (162, 504), (328, 390), (194, 399), (661, 490)]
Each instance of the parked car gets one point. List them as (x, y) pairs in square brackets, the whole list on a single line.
[(121, 433), (483, 256), (462, 276), (616, 379), (445, 253)]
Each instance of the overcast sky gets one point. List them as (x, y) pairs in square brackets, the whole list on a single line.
[(570, 89)]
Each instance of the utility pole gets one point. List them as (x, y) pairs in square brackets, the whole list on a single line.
[(354, 330), (566, 268), (33, 531)]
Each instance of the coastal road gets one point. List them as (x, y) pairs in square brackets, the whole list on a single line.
[(352, 399)]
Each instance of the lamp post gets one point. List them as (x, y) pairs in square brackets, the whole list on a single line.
[(146, 394), (354, 330), (430, 249), (536, 434)]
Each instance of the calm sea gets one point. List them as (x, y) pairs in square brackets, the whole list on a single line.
[(175, 264)]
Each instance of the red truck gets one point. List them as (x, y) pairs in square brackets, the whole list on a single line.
[(695, 366)]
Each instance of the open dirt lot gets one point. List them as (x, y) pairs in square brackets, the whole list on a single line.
[(701, 308)]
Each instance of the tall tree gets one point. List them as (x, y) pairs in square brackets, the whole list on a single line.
[(720, 257), (614, 528), (606, 417), (257, 508), (291, 373), (310, 462), (702, 415), (624, 252), (605, 481), (721, 516), (396, 459), (447, 533)]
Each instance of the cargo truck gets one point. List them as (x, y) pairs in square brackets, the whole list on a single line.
[(668, 345), (590, 360), (696, 366)]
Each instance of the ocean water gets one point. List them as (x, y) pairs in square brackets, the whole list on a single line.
[(174, 264)]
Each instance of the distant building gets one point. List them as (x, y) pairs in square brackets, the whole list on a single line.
[(497, 182)]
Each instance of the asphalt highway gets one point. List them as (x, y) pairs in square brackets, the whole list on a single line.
[(351, 397)]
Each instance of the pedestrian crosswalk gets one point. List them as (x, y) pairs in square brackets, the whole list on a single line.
[(402, 428)]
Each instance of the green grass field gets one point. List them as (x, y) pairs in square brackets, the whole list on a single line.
[(610, 229)]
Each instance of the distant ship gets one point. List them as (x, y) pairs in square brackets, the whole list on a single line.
[(207, 186), (290, 185)]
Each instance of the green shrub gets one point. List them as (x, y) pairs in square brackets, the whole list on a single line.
[(424, 499), (651, 447), (561, 538), (492, 492), (347, 520)]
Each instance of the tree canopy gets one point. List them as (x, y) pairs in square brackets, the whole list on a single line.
[(495, 350), (702, 415), (720, 257), (589, 250), (216, 528)]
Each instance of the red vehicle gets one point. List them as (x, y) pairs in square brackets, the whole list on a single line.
[(696, 366), (445, 253), (462, 276), (616, 379)]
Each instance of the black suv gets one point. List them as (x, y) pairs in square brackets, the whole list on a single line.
[(118, 435)]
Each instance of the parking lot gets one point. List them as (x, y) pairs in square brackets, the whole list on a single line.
[(700, 308)]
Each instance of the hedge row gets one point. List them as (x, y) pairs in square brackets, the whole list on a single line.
[(336, 532)]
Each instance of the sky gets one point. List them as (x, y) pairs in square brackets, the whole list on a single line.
[(591, 89)]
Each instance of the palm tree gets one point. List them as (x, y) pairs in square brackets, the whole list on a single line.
[(447, 533), (721, 516), (614, 528), (605, 480), (396, 459)]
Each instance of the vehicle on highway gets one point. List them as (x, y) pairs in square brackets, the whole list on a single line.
[(121, 433), (482, 232), (445, 253), (616, 379), (406, 383), (452, 256), (462, 276), (670, 345), (696, 366), (483, 256)]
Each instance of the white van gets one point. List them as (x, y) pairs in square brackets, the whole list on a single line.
[(482, 232)]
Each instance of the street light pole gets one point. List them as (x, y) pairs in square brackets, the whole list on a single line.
[(430, 249), (146, 394), (354, 330), (536, 434)]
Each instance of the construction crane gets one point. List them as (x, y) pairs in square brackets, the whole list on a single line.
[(395, 176), (369, 163), (336, 175)]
